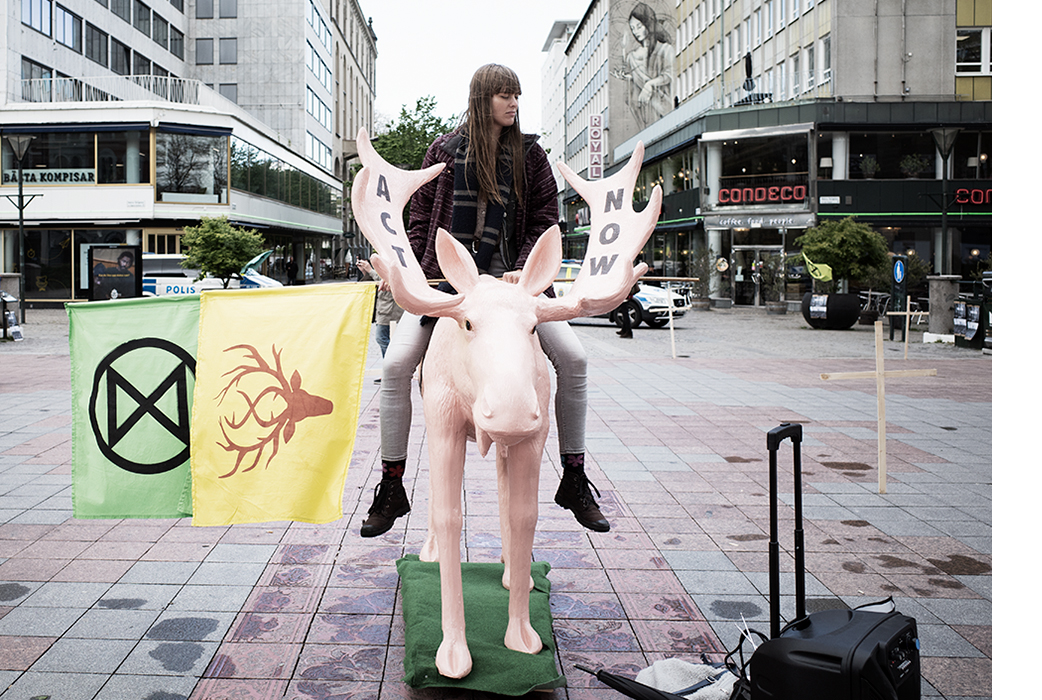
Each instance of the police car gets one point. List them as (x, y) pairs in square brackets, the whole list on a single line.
[(162, 275), (650, 305)]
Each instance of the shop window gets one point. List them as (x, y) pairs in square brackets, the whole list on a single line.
[(56, 159), (123, 157), (48, 264), (887, 155), (191, 168)]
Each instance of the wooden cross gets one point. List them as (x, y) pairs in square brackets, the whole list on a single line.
[(880, 374), (908, 320)]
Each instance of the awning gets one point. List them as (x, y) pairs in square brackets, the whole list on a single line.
[(758, 132), (68, 128)]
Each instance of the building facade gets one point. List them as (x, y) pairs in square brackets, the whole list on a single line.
[(122, 94), (791, 112)]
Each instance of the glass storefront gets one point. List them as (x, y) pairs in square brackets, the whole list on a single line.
[(191, 168)]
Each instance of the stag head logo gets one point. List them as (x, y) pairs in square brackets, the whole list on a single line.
[(263, 410)]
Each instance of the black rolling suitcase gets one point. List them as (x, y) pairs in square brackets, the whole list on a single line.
[(831, 654)]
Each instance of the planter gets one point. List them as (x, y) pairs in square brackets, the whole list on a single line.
[(776, 308), (867, 318), (701, 304), (831, 311)]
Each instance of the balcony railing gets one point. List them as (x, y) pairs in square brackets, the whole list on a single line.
[(116, 88)]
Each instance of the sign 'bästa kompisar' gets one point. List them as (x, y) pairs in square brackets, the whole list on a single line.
[(51, 176)]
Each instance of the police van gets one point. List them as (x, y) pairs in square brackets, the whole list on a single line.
[(162, 275)]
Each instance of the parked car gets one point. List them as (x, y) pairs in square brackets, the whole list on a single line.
[(650, 305), (162, 275)]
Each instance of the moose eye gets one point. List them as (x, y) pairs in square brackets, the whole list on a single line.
[(467, 324)]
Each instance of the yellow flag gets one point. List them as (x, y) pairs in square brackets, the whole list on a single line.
[(278, 379), (818, 271)]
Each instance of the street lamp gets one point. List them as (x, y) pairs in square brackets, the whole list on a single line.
[(19, 145), (944, 137)]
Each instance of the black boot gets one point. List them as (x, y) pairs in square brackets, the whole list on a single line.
[(389, 504), (574, 494)]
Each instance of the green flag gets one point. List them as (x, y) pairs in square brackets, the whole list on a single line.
[(133, 375), (819, 272)]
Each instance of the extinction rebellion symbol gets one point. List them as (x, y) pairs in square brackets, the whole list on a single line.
[(140, 405)]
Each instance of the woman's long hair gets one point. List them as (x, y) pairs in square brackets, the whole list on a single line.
[(656, 34), (488, 81)]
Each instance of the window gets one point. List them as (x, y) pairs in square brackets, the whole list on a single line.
[(319, 68), (769, 18), (229, 91), (318, 109), (37, 14), (319, 152), (142, 66), (121, 8), (120, 58), (97, 45), (68, 29), (191, 169), (160, 31), (177, 42), (40, 89), (229, 50), (229, 8), (795, 75), (179, 5), (203, 52), (826, 59), (142, 18), (204, 9), (103, 3), (811, 77), (973, 51)]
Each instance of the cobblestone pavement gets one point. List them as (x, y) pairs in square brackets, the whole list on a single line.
[(676, 429)]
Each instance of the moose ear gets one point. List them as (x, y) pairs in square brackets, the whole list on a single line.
[(456, 263), (543, 263)]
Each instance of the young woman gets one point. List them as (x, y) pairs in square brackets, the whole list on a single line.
[(496, 195)]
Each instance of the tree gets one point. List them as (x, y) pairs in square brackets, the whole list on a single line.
[(853, 250), (217, 248), (406, 141)]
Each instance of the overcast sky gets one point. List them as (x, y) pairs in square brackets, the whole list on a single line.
[(432, 47)]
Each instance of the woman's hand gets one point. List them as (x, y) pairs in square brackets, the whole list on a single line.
[(512, 277)]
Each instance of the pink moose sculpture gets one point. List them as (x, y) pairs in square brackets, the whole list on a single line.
[(485, 377)]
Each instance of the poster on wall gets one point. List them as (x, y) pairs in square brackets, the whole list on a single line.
[(642, 64), (115, 272)]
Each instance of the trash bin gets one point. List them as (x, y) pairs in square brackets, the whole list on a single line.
[(9, 317)]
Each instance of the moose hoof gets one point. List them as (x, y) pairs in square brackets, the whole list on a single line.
[(522, 637), (453, 659)]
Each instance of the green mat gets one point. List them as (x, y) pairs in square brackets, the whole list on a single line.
[(496, 668)]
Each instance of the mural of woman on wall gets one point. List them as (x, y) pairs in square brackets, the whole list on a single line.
[(648, 65)]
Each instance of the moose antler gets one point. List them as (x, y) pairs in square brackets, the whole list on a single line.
[(617, 235), (378, 196)]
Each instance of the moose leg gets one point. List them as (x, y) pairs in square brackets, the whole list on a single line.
[(522, 477), (502, 458), (448, 451)]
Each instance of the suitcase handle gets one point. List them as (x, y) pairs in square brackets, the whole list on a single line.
[(775, 437)]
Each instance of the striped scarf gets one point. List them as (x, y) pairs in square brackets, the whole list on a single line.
[(465, 207)]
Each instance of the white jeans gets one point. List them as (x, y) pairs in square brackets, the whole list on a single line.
[(407, 347)]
